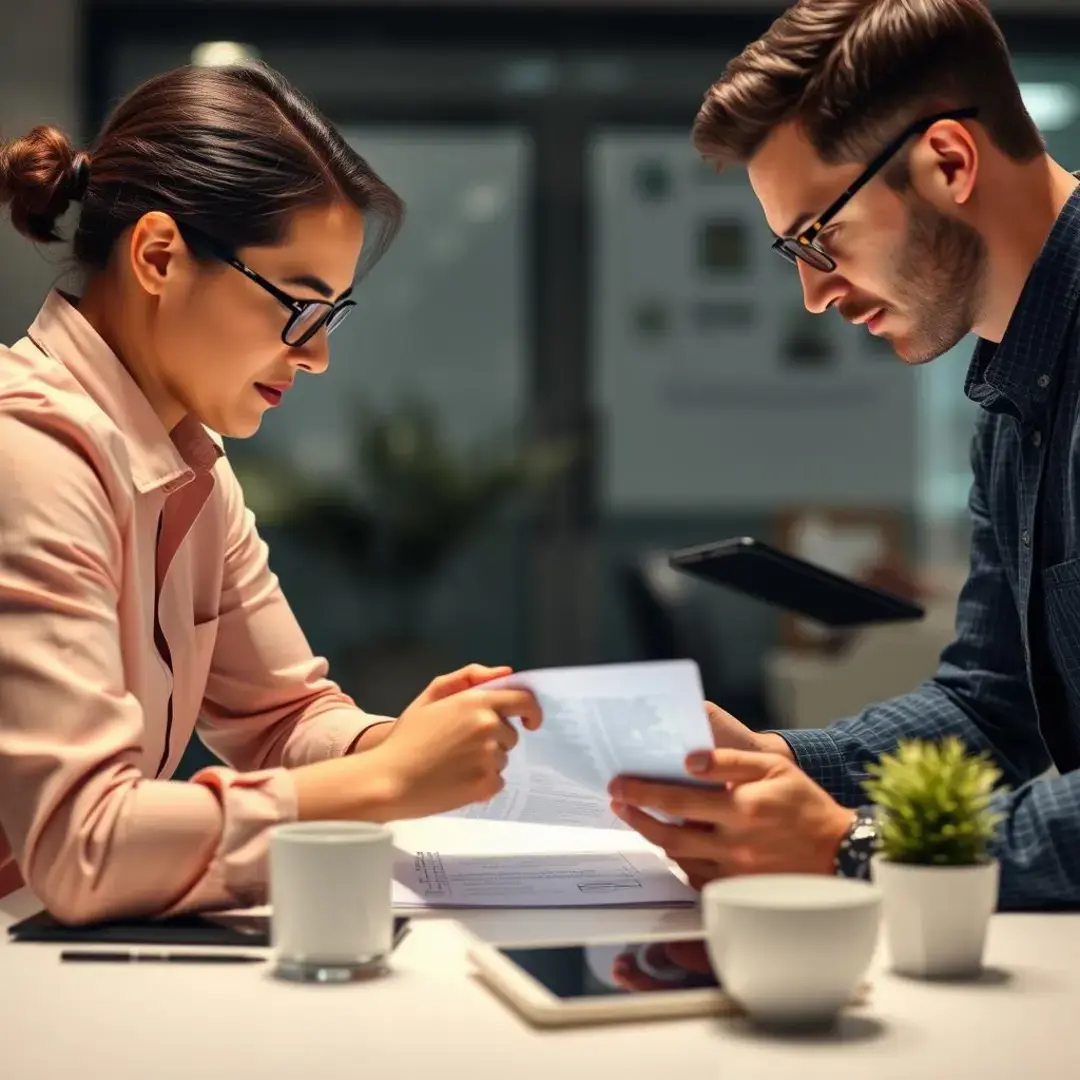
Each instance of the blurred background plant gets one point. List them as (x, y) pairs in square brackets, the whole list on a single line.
[(413, 500)]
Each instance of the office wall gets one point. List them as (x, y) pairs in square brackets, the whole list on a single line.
[(721, 495), (39, 83)]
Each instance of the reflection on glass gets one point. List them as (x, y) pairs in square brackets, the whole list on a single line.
[(583, 971)]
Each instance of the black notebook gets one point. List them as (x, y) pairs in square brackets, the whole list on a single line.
[(252, 931)]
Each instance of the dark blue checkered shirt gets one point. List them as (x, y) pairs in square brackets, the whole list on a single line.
[(1010, 683)]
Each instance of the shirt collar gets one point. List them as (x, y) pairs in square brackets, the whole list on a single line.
[(1020, 372), (158, 458)]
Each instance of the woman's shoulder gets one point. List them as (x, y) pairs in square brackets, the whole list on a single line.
[(48, 419)]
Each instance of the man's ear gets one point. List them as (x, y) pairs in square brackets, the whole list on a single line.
[(944, 165), (155, 244)]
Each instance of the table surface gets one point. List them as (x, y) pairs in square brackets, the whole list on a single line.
[(430, 1017)]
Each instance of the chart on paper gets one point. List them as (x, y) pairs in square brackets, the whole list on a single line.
[(599, 722), (430, 879)]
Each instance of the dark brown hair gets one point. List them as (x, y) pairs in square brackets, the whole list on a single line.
[(853, 73), (231, 151)]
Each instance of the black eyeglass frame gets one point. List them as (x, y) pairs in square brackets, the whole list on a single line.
[(336, 310), (805, 246)]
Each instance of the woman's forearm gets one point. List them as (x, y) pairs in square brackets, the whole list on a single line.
[(361, 787)]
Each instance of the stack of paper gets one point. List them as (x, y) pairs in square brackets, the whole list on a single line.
[(599, 723), (636, 879)]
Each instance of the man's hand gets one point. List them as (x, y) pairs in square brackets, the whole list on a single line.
[(664, 965), (769, 818), (731, 734)]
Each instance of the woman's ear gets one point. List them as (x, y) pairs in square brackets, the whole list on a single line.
[(155, 244)]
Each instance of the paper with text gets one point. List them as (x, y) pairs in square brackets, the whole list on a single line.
[(430, 879), (599, 722)]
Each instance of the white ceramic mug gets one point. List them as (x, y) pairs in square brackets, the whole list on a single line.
[(791, 948), (330, 894)]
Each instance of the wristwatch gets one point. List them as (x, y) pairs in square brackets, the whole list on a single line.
[(858, 846)]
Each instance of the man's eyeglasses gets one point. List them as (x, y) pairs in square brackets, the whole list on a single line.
[(308, 316), (806, 246)]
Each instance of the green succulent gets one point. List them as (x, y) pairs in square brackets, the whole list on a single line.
[(933, 803)]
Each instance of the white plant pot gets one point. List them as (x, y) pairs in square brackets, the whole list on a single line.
[(936, 917)]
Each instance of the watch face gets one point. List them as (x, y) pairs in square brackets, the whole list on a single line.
[(857, 848), (864, 832)]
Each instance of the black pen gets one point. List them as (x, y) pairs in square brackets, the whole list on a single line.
[(125, 956)]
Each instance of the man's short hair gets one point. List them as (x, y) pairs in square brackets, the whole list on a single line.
[(853, 73)]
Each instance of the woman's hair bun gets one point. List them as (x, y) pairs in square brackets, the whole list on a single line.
[(41, 174)]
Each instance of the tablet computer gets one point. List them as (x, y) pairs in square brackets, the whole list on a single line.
[(603, 980), (775, 577), (608, 980)]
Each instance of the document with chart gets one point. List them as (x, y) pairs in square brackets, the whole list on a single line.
[(599, 722)]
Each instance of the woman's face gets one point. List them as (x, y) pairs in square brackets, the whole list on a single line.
[(215, 334)]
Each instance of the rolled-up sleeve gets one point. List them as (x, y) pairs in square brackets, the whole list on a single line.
[(93, 837), (268, 699)]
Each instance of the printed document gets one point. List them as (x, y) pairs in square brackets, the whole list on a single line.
[(429, 879), (599, 722)]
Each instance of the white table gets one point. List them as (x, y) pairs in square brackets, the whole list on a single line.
[(432, 1020)]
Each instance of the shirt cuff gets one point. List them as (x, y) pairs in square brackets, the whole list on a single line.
[(818, 754), (328, 735), (251, 805)]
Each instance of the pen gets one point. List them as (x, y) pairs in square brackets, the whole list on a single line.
[(126, 956)]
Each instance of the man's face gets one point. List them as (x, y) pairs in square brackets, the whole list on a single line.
[(908, 272)]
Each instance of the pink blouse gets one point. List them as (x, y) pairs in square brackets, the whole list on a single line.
[(136, 606)]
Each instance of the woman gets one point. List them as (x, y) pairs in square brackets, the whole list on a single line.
[(223, 226)]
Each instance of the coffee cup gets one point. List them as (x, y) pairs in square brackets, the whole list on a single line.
[(791, 949), (331, 900)]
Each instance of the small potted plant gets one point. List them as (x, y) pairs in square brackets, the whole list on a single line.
[(939, 883)]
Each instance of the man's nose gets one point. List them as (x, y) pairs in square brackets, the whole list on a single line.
[(821, 289)]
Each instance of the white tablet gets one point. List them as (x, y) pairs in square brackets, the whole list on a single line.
[(603, 980)]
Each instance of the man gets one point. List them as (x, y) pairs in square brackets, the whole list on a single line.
[(891, 152)]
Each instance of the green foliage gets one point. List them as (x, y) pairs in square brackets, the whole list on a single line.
[(416, 499), (426, 497), (933, 803)]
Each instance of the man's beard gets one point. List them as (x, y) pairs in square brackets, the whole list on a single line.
[(940, 276)]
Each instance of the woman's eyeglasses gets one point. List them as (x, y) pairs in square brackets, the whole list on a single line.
[(806, 246), (308, 316)]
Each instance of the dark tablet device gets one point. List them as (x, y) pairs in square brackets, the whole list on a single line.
[(218, 931), (765, 573)]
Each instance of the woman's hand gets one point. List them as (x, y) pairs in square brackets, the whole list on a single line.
[(447, 750), (463, 679), (451, 745)]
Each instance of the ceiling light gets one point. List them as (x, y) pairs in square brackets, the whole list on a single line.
[(220, 53), (1053, 106)]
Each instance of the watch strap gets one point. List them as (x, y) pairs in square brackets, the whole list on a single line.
[(858, 846)]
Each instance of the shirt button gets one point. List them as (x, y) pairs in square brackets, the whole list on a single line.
[(1044, 381), (1025, 536), (1037, 439)]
